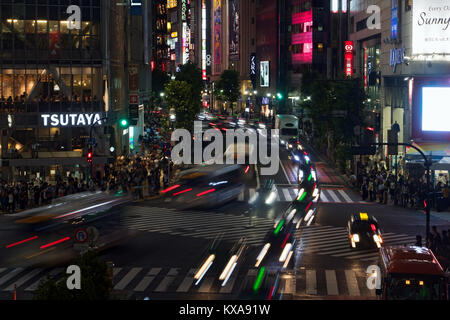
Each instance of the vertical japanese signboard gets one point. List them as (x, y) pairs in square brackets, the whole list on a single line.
[(348, 58), (217, 31), (234, 29), (204, 39)]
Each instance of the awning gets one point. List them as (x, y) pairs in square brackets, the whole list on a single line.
[(439, 152)]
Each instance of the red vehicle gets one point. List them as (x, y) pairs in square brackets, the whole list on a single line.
[(411, 273)]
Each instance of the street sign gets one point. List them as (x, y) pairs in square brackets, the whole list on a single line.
[(81, 235)]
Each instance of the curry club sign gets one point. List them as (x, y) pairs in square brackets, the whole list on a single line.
[(70, 119)]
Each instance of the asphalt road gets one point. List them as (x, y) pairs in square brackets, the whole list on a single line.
[(157, 249)]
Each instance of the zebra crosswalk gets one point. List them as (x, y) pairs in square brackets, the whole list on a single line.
[(333, 241), (197, 224), (288, 194), (140, 281)]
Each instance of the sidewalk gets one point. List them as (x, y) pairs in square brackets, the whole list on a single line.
[(444, 215)]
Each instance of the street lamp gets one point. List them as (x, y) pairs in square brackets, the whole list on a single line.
[(162, 94)]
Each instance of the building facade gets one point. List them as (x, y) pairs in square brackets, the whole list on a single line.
[(404, 63), (64, 67)]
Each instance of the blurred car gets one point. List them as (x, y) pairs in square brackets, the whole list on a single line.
[(302, 211), (206, 186), (279, 246), (363, 231)]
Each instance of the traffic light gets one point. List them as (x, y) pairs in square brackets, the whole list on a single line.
[(365, 148), (279, 96), (124, 123), (90, 155)]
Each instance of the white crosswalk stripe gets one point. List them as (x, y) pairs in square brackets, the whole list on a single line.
[(198, 224), (352, 283), (167, 281), (333, 195), (147, 280), (332, 287), (311, 282), (187, 282), (53, 273), (323, 197), (344, 195), (333, 241), (127, 279), (8, 276), (317, 282), (23, 279), (288, 194)]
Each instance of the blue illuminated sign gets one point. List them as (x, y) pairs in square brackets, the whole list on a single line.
[(136, 7), (394, 19)]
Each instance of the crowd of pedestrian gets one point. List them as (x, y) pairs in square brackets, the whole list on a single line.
[(20, 196), (383, 187), (136, 173)]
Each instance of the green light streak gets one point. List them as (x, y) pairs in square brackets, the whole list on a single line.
[(259, 278), (279, 226), (310, 177), (302, 197)]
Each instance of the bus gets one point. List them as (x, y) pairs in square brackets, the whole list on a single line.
[(288, 126), (411, 273)]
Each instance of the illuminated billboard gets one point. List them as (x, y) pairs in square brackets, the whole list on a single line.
[(264, 80), (435, 109), (234, 29), (431, 32), (348, 58), (302, 37), (430, 109), (217, 31)]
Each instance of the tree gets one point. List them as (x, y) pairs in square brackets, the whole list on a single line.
[(228, 87), (335, 107), (159, 81), (95, 282), (179, 97), (192, 74)]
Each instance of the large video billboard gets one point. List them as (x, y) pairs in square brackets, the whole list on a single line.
[(436, 109), (431, 110), (234, 29), (431, 27)]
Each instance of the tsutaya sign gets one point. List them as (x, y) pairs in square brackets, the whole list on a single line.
[(71, 119)]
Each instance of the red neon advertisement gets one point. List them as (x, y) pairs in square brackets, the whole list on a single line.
[(348, 58)]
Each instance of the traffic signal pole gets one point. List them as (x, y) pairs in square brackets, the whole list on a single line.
[(90, 139), (427, 166)]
